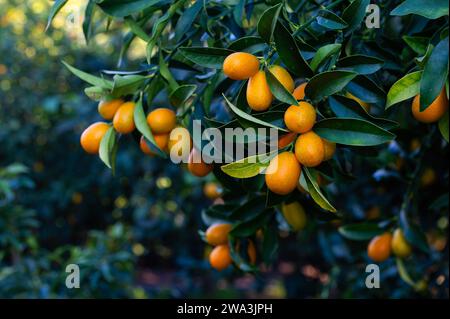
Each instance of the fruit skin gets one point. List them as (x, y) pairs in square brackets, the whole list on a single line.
[(283, 77), (400, 247), (295, 215), (299, 92), (432, 113), (364, 105), (309, 149), (160, 139), (161, 120), (91, 137), (329, 149), (300, 118), (240, 66), (258, 92), (200, 169), (220, 257), (212, 190), (286, 139), (124, 118), (283, 173), (379, 248), (217, 234), (107, 109)]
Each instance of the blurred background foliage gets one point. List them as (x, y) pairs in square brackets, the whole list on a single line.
[(135, 234)]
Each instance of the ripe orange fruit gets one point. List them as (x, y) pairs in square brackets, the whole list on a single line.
[(160, 139), (329, 149), (107, 109), (379, 248), (92, 136), (220, 257), (283, 77), (217, 234), (309, 149), (295, 215), (300, 118), (124, 118), (161, 121), (196, 165), (428, 177), (259, 96), (283, 173), (299, 92), (432, 113), (364, 105), (286, 139), (400, 247), (180, 143), (212, 190), (240, 65)]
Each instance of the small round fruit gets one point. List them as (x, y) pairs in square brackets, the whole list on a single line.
[(283, 173), (92, 136), (295, 215), (161, 140), (212, 190), (124, 118), (299, 92), (364, 105), (217, 234), (286, 139), (220, 257), (309, 149), (197, 166), (400, 247), (379, 248), (300, 118), (161, 121), (329, 149), (259, 96), (240, 66), (283, 77), (432, 113), (107, 109)]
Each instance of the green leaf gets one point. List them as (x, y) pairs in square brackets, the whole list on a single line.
[(142, 126), (289, 53), (270, 243), (328, 83), (323, 54), (107, 147), (249, 166), (187, 19), (366, 90), (181, 94), (249, 227), (137, 29), (267, 22), (354, 14), (278, 89), (434, 74), (166, 74), (443, 126), (361, 64), (91, 79), (88, 14), (206, 57), (127, 84), (241, 114), (413, 232), (329, 20), (354, 132), (250, 44), (122, 8), (417, 44), (348, 108), (57, 5), (405, 88), (95, 93), (431, 9), (314, 190), (361, 231)]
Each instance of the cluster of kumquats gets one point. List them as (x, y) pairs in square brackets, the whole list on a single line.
[(381, 246), (163, 124), (283, 172)]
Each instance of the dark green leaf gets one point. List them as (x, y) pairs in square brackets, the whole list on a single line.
[(354, 14), (417, 44), (137, 29), (91, 79), (267, 22), (413, 233), (309, 182), (122, 8), (250, 44), (181, 94), (443, 126), (88, 14), (206, 57), (57, 5), (187, 19), (329, 20), (278, 89), (405, 88), (362, 231), (431, 9), (366, 90), (361, 64), (323, 54), (328, 83)]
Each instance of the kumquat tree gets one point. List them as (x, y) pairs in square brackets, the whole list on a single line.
[(316, 132)]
